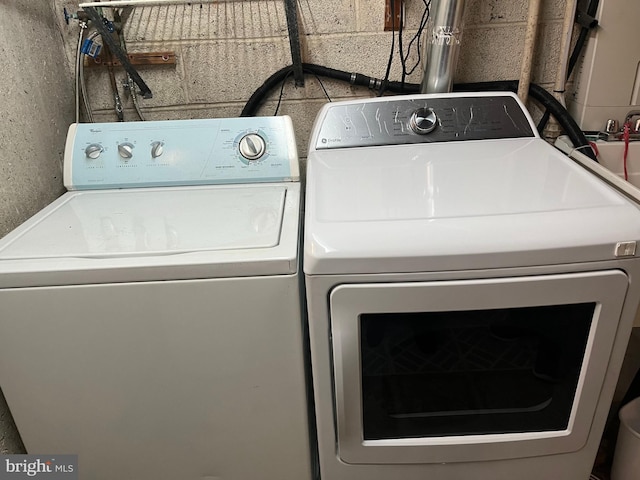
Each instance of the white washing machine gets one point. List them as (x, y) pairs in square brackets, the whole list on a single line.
[(150, 318), (470, 292)]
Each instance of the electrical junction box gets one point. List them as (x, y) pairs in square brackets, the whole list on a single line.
[(607, 82)]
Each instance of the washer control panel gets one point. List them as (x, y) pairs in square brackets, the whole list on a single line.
[(420, 119), (180, 152)]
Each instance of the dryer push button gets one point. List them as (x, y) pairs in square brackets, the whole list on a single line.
[(625, 249)]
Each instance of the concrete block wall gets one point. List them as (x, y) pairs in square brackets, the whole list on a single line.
[(36, 98), (36, 102), (226, 49)]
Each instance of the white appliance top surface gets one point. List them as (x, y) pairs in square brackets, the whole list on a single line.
[(241, 225), (458, 205)]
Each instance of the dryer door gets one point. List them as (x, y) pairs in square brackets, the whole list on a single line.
[(471, 370)]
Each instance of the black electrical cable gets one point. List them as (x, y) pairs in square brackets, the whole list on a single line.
[(403, 60), (542, 124), (536, 92), (284, 80), (416, 40), (393, 46), (263, 90), (274, 80), (326, 94)]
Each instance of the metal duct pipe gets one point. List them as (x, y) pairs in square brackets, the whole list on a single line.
[(443, 45)]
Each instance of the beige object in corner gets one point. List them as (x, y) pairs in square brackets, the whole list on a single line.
[(626, 461)]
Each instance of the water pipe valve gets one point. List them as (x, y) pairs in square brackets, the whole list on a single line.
[(80, 16)]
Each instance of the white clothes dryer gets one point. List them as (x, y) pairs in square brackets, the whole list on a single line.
[(150, 318), (470, 290)]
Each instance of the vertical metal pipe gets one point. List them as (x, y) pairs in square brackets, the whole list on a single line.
[(443, 45)]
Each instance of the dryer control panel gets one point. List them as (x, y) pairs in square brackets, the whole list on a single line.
[(425, 118), (180, 152)]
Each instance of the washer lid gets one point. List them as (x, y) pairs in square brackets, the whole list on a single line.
[(457, 206), (242, 225)]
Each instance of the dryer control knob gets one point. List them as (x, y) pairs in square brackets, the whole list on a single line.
[(93, 151), (125, 150), (423, 121), (252, 146)]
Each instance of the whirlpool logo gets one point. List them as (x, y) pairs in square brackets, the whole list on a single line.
[(50, 467)]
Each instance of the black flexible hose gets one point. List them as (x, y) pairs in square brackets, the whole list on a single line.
[(252, 105), (538, 93), (359, 79)]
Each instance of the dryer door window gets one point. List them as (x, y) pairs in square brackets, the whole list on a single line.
[(471, 370)]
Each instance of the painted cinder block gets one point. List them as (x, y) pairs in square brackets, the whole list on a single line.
[(37, 105), (231, 71), (319, 17)]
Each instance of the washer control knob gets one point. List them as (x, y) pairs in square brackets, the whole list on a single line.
[(252, 146), (423, 121), (157, 149), (93, 151), (125, 150)]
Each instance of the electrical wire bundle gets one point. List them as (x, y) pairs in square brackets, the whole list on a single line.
[(288, 72), (381, 86), (416, 41)]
